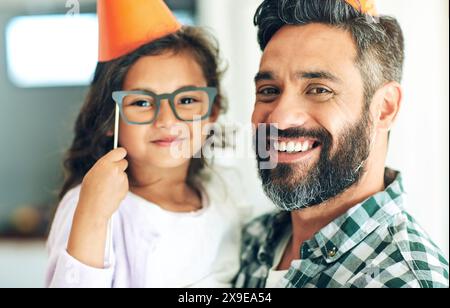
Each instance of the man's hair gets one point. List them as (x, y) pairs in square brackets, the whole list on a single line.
[(379, 40)]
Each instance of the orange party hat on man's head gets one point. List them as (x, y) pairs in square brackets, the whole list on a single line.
[(364, 6), (125, 25)]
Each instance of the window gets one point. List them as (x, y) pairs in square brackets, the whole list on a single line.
[(51, 50), (56, 50)]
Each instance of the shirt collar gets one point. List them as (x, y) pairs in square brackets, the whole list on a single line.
[(350, 229), (277, 223), (345, 232)]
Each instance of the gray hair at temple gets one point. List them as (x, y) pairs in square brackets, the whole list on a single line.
[(379, 40)]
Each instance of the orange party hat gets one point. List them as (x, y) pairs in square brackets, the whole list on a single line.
[(364, 6), (125, 25)]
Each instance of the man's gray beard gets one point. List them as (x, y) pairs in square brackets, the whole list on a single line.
[(328, 178), (307, 194), (291, 199)]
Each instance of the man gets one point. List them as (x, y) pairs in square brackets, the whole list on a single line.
[(329, 81)]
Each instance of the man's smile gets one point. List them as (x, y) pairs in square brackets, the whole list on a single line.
[(291, 150)]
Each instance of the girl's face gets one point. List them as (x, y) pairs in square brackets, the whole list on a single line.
[(167, 142)]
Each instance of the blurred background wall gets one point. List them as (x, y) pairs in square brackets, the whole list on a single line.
[(36, 120)]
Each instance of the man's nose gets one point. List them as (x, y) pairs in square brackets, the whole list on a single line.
[(165, 118), (290, 111)]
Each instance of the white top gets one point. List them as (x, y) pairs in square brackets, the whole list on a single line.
[(275, 276), (153, 247)]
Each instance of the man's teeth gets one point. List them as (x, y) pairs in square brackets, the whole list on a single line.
[(292, 146)]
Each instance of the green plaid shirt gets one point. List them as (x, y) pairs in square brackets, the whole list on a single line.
[(375, 244)]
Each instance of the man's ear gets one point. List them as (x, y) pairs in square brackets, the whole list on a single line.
[(389, 99), (109, 133)]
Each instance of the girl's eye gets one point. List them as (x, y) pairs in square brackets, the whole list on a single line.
[(318, 91), (142, 103), (187, 101)]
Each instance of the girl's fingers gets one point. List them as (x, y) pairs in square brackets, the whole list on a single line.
[(122, 164), (115, 155)]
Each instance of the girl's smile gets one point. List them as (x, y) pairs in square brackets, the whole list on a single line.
[(168, 141)]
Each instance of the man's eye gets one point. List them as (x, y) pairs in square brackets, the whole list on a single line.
[(319, 91), (268, 91)]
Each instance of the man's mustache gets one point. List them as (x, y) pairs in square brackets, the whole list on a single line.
[(270, 131)]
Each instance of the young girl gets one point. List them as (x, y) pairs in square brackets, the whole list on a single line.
[(169, 228)]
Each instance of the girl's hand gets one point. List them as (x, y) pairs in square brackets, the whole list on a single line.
[(105, 185), (102, 190)]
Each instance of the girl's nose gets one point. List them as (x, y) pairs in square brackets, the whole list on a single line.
[(165, 118)]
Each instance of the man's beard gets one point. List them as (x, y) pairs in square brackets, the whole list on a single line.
[(291, 189)]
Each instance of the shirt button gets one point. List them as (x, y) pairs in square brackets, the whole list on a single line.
[(332, 252)]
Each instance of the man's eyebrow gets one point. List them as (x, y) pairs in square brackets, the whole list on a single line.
[(267, 75), (264, 75), (318, 75)]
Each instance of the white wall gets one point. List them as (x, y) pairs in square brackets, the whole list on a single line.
[(419, 146), (420, 140), (22, 264), (232, 23)]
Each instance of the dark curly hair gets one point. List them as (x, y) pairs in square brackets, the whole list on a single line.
[(96, 117)]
